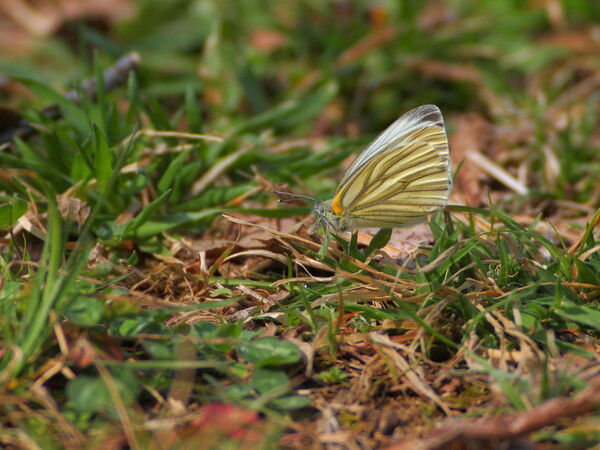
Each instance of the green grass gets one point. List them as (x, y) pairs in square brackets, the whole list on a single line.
[(149, 275)]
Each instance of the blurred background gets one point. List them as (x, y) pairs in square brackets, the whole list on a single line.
[(294, 89), (517, 80)]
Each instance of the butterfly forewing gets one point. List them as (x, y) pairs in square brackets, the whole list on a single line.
[(421, 117), (402, 176)]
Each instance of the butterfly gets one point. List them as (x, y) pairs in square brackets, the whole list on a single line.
[(398, 180)]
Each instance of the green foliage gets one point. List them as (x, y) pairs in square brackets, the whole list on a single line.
[(269, 352), (332, 376), (11, 211), (92, 395)]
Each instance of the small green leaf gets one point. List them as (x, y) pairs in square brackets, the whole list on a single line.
[(380, 240), (80, 170), (10, 289), (267, 380), (164, 223), (136, 183), (103, 158), (270, 351), (192, 108), (332, 376), (87, 394), (221, 291), (11, 212), (585, 272), (133, 96), (238, 391), (133, 258), (172, 172), (146, 213), (216, 195), (580, 313), (159, 349), (100, 90), (90, 394), (290, 403), (103, 269), (85, 311)]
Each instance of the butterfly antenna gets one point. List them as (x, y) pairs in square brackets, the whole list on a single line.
[(303, 197), (294, 196)]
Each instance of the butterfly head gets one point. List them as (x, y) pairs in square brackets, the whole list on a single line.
[(330, 214)]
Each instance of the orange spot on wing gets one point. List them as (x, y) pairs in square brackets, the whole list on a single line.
[(335, 205)]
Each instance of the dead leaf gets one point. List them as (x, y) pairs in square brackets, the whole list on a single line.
[(72, 209), (473, 133), (268, 41)]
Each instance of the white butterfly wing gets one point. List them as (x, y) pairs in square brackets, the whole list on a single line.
[(402, 176), (420, 117)]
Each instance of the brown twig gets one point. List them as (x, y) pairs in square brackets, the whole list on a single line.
[(510, 428)]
